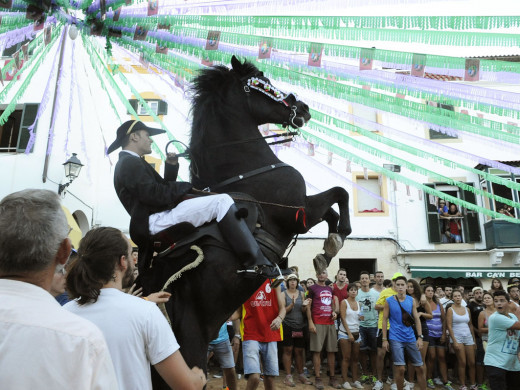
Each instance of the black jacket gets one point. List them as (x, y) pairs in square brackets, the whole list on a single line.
[(143, 192)]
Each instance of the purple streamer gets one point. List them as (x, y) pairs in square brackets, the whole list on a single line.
[(403, 135), (57, 99), (13, 37), (487, 96), (303, 145), (71, 97), (45, 99)]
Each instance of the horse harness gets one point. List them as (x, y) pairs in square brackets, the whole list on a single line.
[(287, 99)]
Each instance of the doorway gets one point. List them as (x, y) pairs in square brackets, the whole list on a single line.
[(355, 266)]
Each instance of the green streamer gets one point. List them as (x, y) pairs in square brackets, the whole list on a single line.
[(395, 58), (397, 177), (311, 23), (407, 108), (329, 120), (415, 168), (136, 94)]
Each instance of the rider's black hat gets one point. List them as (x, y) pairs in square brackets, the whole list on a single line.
[(131, 127)]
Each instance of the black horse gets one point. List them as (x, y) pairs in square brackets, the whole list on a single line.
[(228, 155)]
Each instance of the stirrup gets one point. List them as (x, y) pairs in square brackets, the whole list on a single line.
[(259, 271)]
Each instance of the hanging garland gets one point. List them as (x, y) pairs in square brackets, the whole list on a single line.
[(333, 147), (250, 23), (338, 123), (394, 59), (400, 161), (440, 119), (346, 117)]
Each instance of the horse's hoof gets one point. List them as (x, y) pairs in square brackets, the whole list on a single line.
[(320, 263), (332, 245)]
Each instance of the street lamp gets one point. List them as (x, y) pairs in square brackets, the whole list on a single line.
[(72, 169)]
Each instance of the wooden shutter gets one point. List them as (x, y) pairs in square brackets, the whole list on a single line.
[(28, 116), (163, 108), (432, 218), (133, 103), (471, 222)]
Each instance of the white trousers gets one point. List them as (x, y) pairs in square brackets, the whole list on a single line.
[(196, 211)]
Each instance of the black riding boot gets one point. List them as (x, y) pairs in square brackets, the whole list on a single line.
[(241, 240)]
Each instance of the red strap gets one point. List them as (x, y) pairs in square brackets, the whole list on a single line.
[(304, 216)]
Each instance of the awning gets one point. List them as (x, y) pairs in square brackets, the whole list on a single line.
[(75, 233), (464, 272)]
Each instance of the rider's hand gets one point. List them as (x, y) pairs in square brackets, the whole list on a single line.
[(171, 158)]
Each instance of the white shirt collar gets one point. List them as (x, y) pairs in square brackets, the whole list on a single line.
[(131, 152)]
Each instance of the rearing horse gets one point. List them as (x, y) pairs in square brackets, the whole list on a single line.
[(228, 154), (228, 107)]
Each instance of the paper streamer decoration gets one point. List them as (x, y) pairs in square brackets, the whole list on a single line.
[(140, 33), (212, 40), (315, 54), (418, 65), (264, 50), (153, 7), (472, 69), (366, 59)]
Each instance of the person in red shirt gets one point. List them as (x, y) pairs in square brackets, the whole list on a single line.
[(260, 328), (340, 289), (322, 330)]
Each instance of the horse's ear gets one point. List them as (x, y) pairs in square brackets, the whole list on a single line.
[(235, 63)]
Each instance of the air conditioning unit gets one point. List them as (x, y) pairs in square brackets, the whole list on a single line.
[(502, 234), (516, 259), (496, 257)]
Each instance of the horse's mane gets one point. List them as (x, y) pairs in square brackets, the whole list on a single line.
[(210, 100)]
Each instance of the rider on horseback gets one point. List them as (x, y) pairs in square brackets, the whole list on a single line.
[(154, 203)]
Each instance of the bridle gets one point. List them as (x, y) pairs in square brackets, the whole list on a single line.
[(263, 86)]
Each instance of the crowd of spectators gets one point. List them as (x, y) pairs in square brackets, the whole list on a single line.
[(106, 336), (443, 344)]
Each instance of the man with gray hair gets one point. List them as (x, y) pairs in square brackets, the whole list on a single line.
[(43, 346)]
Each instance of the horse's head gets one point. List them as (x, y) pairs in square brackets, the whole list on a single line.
[(266, 103)]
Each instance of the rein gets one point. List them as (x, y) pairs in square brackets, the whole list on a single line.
[(246, 175), (287, 134)]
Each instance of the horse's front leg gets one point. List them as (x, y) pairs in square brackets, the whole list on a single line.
[(318, 208), (339, 226)]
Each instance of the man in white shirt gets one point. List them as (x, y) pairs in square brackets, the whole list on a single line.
[(42, 346), (136, 331), (447, 300)]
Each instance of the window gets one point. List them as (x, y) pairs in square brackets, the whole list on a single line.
[(504, 192), (365, 114), (437, 135), (14, 134), (469, 223), (153, 104), (369, 195), (159, 107), (9, 51)]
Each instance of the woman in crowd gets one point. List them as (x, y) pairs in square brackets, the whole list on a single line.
[(496, 285), (293, 324), (454, 223), (483, 316), (425, 313), (437, 340), (348, 336), (458, 321)]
